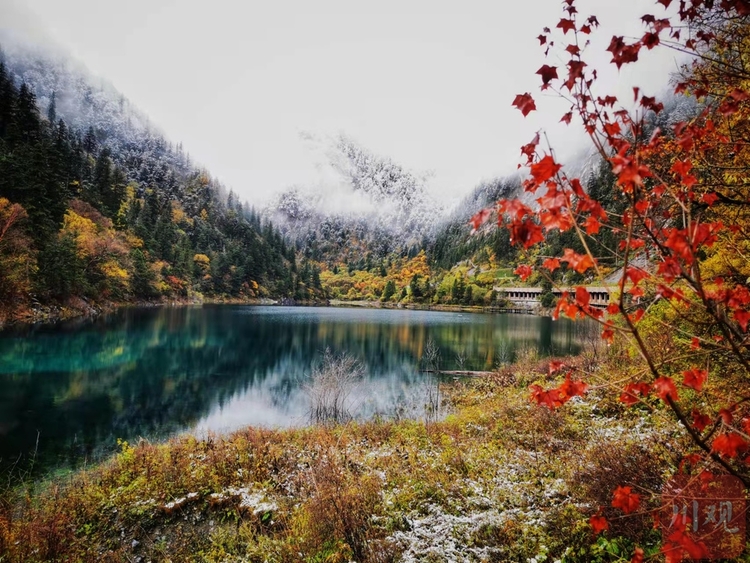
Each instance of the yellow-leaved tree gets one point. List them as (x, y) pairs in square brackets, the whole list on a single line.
[(17, 261)]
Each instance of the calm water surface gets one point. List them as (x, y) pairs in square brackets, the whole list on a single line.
[(155, 372)]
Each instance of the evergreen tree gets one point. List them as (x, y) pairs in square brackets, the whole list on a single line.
[(388, 291), (52, 110), (89, 141), (143, 277)]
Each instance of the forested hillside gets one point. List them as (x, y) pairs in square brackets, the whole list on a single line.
[(114, 212)]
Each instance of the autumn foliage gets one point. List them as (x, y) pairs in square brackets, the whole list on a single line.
[(684, 234), (16, 262)]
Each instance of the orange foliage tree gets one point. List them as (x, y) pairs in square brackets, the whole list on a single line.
[(684, 235), (101, 250), (17, 263)]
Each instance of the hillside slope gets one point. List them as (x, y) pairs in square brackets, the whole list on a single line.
[(95, 204)]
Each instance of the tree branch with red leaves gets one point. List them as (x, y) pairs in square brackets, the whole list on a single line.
[(686, 220)]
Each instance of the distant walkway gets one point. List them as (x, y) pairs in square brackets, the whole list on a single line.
[(528, 297)]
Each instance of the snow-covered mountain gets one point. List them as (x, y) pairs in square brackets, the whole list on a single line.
[(367, 203)]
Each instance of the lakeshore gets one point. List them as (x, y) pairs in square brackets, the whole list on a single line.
[(498, 479)]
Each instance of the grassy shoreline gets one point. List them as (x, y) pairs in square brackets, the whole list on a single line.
[(499, 479)]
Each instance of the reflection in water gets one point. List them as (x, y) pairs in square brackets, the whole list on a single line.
[(155, 372)]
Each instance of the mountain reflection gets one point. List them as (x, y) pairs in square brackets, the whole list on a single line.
[(153, 372)]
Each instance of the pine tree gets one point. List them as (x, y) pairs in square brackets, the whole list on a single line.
[(89, 141), (388, 291), (52, 110)]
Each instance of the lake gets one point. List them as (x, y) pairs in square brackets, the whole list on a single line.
[(69, 392)]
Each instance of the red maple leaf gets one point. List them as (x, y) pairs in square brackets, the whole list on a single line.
[(545, 169), (729, 444), (556, 218), (738, 297), (513, 207), (726, 415), (551, 399), (582, 297), (635, 274), (548, 73), (678, 543), (592, 225), (623, 53), (571, 388), (551, 264), (524, 271), (665, 388), (636, 291), (479, 219), (555, 366), (578, 262), (633, 391), (598, 523), (566, 25), (694, 378), (682, 167), (650, 40), (526, 232), (525, 103), (612, 129), (700, 420), (529, 149), (742, 317), (625, 499)]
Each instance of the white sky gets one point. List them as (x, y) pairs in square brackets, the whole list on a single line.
[(429, 83)]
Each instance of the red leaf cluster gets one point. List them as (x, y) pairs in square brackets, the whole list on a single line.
[(700, 420), (729, 444), (524, 271), (479, 219), (622, 53), (578, 262), (558, 396), (694, 378), (634, 392)]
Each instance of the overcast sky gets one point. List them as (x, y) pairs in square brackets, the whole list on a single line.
[(429, 83)]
